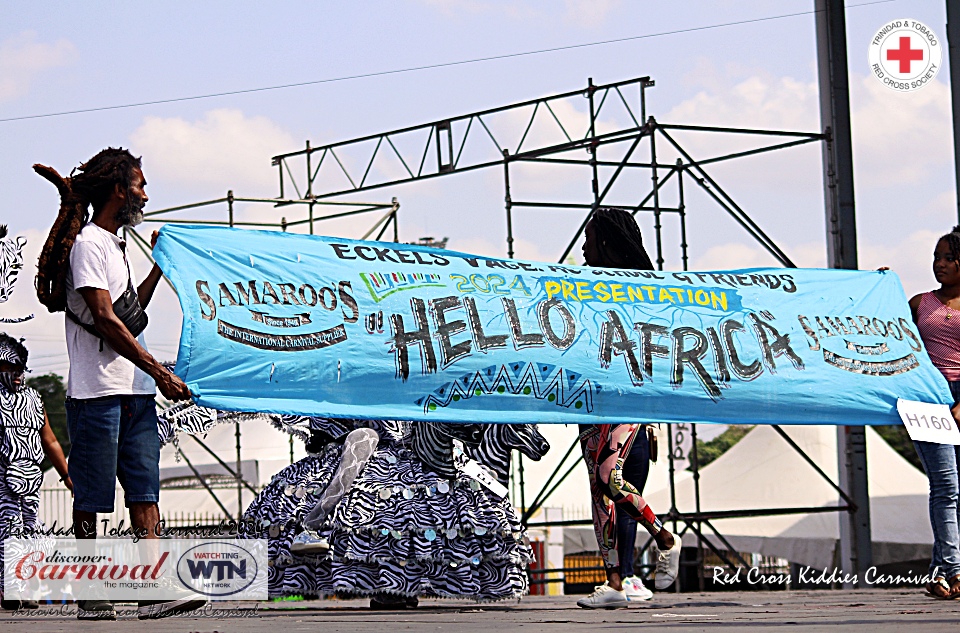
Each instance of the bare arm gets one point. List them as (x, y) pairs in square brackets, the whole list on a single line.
[(149, 285), (914, 306), (116, 334), (53, 451)]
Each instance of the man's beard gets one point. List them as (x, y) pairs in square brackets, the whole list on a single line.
[(131, 213)]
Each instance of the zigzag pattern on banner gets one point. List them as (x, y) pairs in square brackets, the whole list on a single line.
[(542, 381)]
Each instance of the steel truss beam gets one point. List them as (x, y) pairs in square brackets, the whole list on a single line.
[(475, 141)]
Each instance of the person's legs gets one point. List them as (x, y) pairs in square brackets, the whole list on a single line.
[(635, 470), (940, 464), (602, 511), (138, 462), (358, 448), (613, 453), (138, 470), (94, 428)]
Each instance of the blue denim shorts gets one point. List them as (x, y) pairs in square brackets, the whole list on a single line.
[(113, 438)]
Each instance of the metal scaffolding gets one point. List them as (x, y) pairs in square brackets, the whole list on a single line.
[(482, 140)]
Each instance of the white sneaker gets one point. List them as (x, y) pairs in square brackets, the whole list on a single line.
[(634, 589), (604, 597), (309, 542), (668, 564)]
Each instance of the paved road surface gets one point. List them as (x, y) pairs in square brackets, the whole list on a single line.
[(875, 611)]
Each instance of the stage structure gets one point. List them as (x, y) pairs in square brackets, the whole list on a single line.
[(190, 214), (615, 124)]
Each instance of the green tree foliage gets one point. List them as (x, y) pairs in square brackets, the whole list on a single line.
[(709, 451), (898, 439), (53, 392), (895, 435)]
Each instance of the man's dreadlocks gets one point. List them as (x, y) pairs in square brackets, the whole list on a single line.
[(619, 239), (94, 184)]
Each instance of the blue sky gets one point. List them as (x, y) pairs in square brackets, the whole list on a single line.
[(56, 57)]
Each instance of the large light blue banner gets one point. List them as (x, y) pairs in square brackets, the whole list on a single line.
[(333, 327)]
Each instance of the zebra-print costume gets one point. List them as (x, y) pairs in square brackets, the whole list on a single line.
[(189, 418), (499, 442), (11, 261), (403, 528), (21, 419)]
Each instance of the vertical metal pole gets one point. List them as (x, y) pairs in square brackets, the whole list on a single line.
[(508, 201), (671, 468), (593, 146), (236, 431), (643, 102), (236, 425), (855, 539), (953, 40), (682, 207), (396, 229), (656, 193), (280, 169), (695, 467), (695, 460), (310, 187)]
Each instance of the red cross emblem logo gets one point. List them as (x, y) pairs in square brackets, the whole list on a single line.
[(905, 55)]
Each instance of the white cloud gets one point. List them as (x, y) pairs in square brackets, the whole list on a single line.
[(897, 138), (460, 8), (733, 255), (523, 249), (589, 13), (22, 58), (224, 148), (910, 257)]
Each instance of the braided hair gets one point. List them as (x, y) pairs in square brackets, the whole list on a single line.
[(953, 240), (619, 239), (94, 184)]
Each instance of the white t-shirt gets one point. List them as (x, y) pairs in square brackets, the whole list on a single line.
[(97, 261)]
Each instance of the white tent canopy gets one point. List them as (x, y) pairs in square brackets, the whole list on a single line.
[(763, 471)]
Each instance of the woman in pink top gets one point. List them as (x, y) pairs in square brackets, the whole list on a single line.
[(937, 315)]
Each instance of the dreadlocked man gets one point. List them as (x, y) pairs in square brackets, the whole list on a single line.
[(25, 437), (111, 412), (617, 455)]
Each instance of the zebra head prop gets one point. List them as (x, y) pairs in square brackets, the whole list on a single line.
[(11, 261), (499, 440), (432, 442)]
